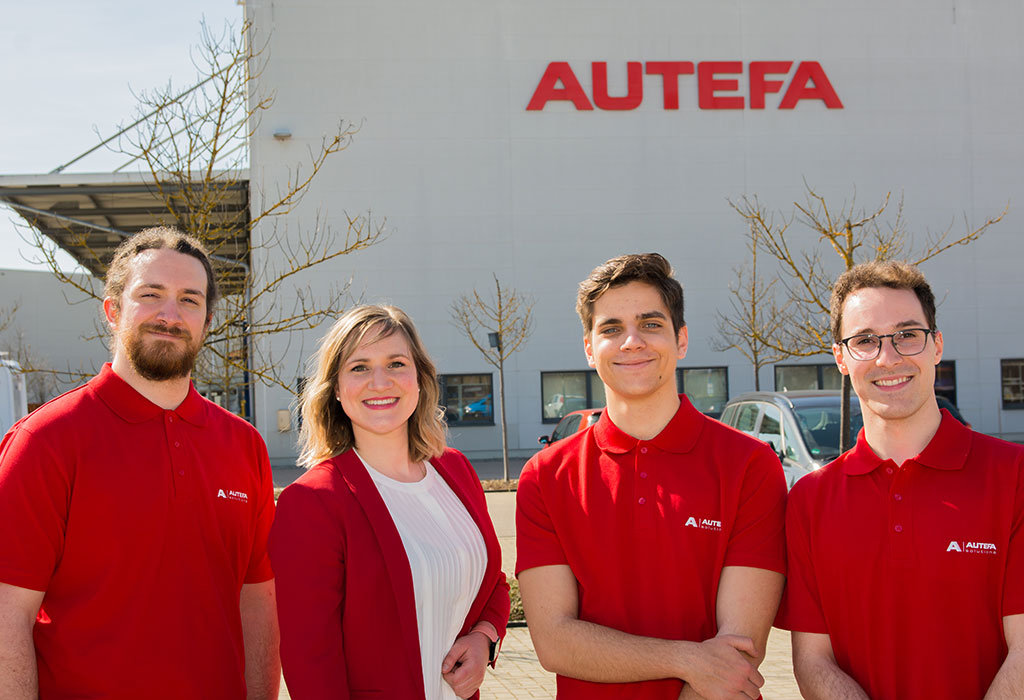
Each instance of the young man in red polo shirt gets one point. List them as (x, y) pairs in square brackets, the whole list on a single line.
[(906, 555), (650, 546), (135, 513)]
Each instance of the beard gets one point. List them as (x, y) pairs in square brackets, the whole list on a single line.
[(160, 360)]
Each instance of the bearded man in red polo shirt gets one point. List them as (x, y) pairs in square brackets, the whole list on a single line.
[(135, 513), (906, 554), (650, 546)]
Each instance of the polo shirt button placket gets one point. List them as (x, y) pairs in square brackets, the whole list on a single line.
[(176, 455), (642, 486), (899, 514)]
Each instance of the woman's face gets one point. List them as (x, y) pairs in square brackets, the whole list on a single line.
[(378, 387)]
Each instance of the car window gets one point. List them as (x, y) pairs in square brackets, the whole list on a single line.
[(820, 428), (791, 439), (566, 427), (593, 418), (746, 418), (727, 415), (770, 430)]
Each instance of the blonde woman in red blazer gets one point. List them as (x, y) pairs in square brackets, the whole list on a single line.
[(346, 597)]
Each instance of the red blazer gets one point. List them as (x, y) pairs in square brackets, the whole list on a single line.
[(345, 596)]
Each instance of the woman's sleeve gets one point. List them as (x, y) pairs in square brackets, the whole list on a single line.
[(307, 552), (498, 605)]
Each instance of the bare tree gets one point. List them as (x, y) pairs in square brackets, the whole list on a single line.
[(7, 316), (41, 381), (497, 327), (756, 314), (807, 273), (193, 147)]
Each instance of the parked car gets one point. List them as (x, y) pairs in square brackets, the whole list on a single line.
[(801, 426), (563, 404), (479, 408), (571, 424), (948, 405)]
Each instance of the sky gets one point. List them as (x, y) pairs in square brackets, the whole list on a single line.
[(69, 69)]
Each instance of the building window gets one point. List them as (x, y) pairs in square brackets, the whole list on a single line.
[(945, 380), (468, 398), (795, 377), (565, 392), (1013, 383), (706, 387)]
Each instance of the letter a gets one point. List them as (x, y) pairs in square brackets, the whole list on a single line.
[(954, 547), (547, 89), (807, 73), (691, 522)]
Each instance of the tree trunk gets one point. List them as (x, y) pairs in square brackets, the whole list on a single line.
[(504, 428), (844, 416)]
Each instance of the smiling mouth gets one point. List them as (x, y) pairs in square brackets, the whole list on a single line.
[(891, 382), (635, 363), (381, 403)]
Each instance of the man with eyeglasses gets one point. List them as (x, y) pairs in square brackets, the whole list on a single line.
[(906, 554)]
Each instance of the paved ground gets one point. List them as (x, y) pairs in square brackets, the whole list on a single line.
[(519, 675)]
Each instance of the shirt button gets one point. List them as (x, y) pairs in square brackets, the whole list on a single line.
[(643, 450), (888, 470), (181, 472), (642, 500), (177, 444), (898, 497), (170, 419), (898, 528), (643, 475)]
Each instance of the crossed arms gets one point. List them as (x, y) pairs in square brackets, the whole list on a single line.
[(722, 667)]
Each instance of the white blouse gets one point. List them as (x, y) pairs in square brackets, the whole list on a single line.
[(447, 556)]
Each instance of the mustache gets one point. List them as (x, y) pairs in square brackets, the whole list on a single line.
[(167, 330)]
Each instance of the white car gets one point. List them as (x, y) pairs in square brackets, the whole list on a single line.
[(801, 426)]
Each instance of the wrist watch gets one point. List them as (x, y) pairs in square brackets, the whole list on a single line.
[(492, 642)]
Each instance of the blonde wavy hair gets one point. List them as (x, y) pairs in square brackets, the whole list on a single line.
[(326, 429)]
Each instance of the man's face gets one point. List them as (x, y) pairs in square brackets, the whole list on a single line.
[(891, 386), (632, 345), (160, 320)]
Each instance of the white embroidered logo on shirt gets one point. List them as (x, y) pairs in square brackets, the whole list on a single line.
[(972, 547), (704, 524), (239, 496)]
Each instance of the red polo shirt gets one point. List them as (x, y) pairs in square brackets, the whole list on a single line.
[(647, 525), (140, 525), (911, 569)]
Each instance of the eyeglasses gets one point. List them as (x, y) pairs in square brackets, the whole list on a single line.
[(907, 342)]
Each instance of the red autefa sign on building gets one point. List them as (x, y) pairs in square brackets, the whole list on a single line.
[(715, 88)]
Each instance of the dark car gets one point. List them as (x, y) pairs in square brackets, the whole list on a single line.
[(948, 405), (571, 424)]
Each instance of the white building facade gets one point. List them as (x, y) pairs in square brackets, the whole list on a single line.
[(534, 140)]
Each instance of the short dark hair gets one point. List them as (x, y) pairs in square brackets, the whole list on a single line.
[(893, 274), (158, 238), (649, 268)]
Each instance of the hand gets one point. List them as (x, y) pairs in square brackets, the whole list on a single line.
[(463, 667), (688, 693), (722, 672)]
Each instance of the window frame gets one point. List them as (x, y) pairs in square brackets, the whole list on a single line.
[(591, 376), (442, 385), (819, 366), (681, 384), (1003, 364)]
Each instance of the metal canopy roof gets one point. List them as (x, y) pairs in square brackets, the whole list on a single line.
[(88, 215)]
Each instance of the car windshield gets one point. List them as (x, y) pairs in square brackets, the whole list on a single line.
[(820, 428)]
